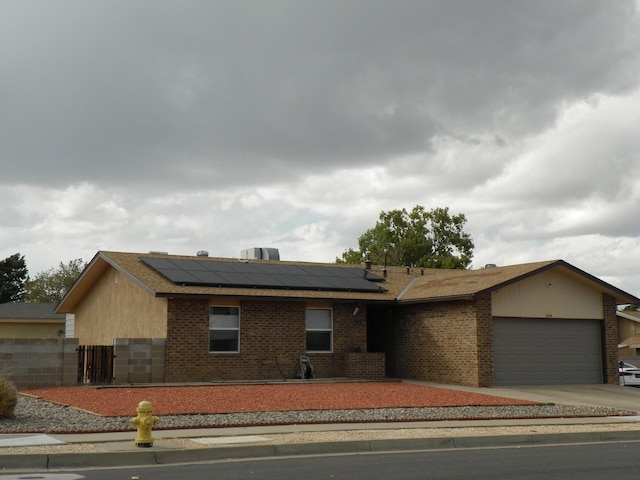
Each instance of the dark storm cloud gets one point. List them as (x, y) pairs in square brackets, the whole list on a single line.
[(213, 93)]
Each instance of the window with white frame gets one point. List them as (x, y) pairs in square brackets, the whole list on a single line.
[(224, 329), (319, 326)]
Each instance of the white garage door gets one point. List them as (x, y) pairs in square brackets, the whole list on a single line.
[(540, 351)]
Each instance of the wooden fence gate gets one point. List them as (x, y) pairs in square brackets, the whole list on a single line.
[(95, 364)]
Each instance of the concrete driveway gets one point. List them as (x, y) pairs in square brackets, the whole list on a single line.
[(614, 396)]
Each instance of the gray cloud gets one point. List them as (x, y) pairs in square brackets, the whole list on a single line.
[(289, 88), (164, 125)]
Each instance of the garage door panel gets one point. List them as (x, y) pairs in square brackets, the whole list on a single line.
[(546, 351)]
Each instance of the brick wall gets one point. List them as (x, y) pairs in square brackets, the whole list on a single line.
[(39, 362), (370, 366), (610, 340), (349, 335), (484, 332), (438, 342), (453, 342), (272, 339)]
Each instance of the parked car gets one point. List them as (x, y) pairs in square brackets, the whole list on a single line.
[(629, 374)]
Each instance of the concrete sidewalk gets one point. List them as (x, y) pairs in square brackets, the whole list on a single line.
[(200, 445)]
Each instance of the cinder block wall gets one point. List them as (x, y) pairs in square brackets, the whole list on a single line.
[(39, 362), (272, 339), (438, 342), (139, 360)]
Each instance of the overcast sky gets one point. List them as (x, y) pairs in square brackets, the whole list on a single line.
[(222, 125)]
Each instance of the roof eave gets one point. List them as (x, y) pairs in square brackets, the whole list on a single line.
[(297, 297), (67, 303), (33, 320), (519, 278), (621, 297), (622, 314), (68, 295), (447, 298)]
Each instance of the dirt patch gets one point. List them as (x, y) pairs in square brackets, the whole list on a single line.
[(179, 400)]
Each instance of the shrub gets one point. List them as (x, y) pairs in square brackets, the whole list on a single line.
[(8, 398)]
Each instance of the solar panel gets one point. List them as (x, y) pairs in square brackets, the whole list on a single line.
[(201, 272)]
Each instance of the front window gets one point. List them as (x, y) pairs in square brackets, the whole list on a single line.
[(319, 326), (224, 329)]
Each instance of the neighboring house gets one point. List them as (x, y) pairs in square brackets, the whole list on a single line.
[(230, 319), (30, 320), (628, 333)]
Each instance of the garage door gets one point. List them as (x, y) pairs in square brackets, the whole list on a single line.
[(543, 351)]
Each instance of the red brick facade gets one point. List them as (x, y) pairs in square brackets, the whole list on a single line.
[(610, 340), (438, 342), (364, 365), (452, 342), (484, 332), (272, 339)]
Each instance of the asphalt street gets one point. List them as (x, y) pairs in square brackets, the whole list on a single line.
[(554, 462)]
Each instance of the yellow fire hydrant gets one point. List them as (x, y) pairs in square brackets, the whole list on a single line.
[(145, 422)]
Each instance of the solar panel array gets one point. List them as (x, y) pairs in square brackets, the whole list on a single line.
[(213, 273)]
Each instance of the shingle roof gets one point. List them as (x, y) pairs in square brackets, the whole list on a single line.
[(264, 275), (21, 310), (439, 284), (131, 265), (401, 284)]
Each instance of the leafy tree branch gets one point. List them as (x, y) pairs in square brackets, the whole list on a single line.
[(425, 238)]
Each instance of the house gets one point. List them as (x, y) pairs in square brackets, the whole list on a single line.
[(628, 333), (30, 320), (238, 319)]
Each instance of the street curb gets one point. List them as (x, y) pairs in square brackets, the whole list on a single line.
[(34, 462)]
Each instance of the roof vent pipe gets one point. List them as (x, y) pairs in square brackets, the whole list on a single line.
[(367, 261)]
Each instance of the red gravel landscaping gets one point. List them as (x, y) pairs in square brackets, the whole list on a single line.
[(176, 400)]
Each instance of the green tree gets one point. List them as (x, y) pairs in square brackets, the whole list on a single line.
[(634, 307), (13, 276), (430, 239), (51, 285)]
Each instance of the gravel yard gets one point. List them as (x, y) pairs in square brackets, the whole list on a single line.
[(36, 415), (231, 399)]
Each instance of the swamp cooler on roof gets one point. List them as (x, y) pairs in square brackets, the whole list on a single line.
[(258, 253)]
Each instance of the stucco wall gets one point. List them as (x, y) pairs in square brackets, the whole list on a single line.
[(31, 329), (551, 294), (116, 307), (627, 328)]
